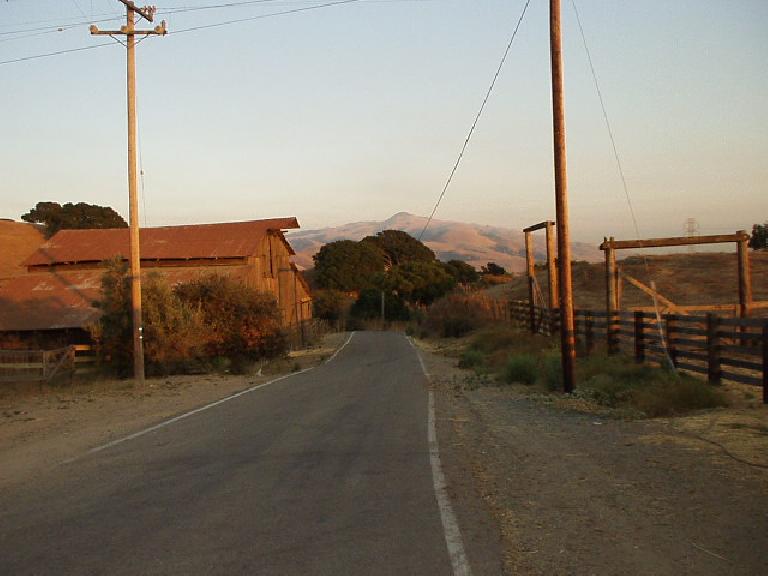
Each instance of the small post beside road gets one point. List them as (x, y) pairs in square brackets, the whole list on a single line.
[(714, 373), (639, 337), (765, 363), (130, 32)]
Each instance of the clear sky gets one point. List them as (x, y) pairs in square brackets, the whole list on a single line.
[(357, 111)]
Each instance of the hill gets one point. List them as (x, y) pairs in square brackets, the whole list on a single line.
[(685, 279), (474, 243)]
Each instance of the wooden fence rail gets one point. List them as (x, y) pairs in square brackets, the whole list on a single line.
[(734, 349)]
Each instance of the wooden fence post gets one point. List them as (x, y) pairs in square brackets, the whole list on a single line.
[(765, 363), (669, 329), (713, 350), (589, 342), (639, 337), (611, 332)]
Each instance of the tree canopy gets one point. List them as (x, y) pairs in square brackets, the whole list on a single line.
[(462, 272), (348, 266), (493, 269), (759, 239), (70, 216), (400, 247)]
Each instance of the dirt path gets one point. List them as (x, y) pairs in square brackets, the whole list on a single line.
[(579, 493), (39, 430)]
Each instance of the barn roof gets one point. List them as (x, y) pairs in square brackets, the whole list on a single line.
[(56, 300), (226, 240), (18, 241)]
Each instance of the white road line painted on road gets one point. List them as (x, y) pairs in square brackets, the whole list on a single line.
[(451, 529), (170, 421)]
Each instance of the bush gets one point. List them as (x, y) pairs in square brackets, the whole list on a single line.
[(615, 382), (471, 359), (241, 323), (212, 321), (521, 368), (552, 372), (454, 316), (330, 304)]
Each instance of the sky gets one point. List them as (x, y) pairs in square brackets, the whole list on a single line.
[(357, 111)]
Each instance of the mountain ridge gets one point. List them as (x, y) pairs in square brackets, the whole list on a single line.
[(476, 244)]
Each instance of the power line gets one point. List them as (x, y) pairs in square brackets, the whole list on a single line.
[(477, 118), (195, 28), (607, 122), (57, 53), (262, 16)]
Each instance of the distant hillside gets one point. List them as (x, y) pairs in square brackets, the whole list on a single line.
[(473, 243), (685, 279)]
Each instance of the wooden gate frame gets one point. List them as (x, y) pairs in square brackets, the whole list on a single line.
[(741, 238), (530, 266)]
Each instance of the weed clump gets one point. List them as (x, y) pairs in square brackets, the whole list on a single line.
[(522, 368)]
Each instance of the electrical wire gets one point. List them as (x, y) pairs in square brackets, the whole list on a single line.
[(619, 167), (477, 119), (262, 16)]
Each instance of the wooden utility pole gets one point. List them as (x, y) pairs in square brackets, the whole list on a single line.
[(567, 338), (130, 33)]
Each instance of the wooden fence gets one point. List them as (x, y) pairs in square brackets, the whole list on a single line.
[(43, 365), (734, 349)]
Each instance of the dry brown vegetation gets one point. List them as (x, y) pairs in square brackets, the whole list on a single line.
[(685, 279)]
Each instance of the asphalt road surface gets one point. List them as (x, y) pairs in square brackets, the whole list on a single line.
[(325, 472)]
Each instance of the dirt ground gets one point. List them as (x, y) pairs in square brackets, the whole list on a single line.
[(576, 490), (41, 428)]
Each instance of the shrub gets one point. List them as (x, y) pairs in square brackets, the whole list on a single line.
[(215, 321), (617, 381), (471, 359), (241, 323), (455, 315), (521, 368), (329, 304), (677, 395), (552, 372)]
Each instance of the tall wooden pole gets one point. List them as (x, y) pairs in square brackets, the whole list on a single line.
[(130, 32), (567, 339), (138, 346)]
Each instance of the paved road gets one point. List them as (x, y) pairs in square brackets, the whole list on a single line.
[(325, 472)]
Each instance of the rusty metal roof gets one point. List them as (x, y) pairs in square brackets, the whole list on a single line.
[(18, 240), (226, 240), (48, 301), (56, 300)]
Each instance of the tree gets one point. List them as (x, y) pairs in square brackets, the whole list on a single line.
[(70, 216), (400, 247), (462, 272), (759, 239), (348, 266), (329, 304), (493, 269), (368, 306), (419, 282)]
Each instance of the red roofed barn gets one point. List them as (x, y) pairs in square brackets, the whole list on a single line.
[(51, 300)]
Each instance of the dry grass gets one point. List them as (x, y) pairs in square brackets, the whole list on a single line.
[(685, 279)]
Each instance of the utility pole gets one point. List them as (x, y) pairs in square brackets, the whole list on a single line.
[(130, 33), (567, 337)]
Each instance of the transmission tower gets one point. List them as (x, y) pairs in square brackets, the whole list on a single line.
[(690, 230)]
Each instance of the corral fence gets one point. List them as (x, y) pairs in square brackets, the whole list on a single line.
[(306, 332), (44, 365), (733, 349)]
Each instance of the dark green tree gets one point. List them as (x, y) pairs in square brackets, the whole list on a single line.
[(493, 269), (329, 304), (70, 216), (462, 272), (400, 247), (759, 239), (368, 306), (419, 282), (348, 266)]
